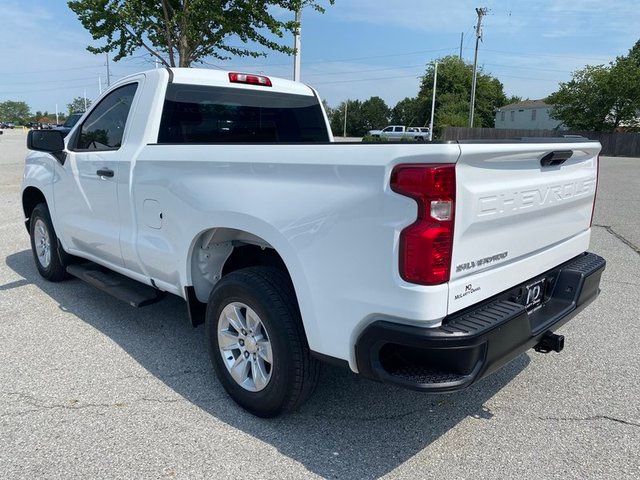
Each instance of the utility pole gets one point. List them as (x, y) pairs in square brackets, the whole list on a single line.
[(461, 40), (85, 99), (108, 73), (100, 85), (296, 46), (481, 13), (433, 100), (344, 129), (57, 122)]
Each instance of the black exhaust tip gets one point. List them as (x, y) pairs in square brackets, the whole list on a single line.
[(550, 342)]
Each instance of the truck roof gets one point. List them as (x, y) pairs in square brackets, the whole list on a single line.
[(220, 78)]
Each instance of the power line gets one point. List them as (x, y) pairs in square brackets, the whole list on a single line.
[(545, 55), (49, 70), (393, 67), (522, 67), (66, 87), (351, 59), (38, 82), (367, 79)]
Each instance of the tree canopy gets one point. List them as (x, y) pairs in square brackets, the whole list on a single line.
[(409, 111), (182, 32), (15, 112), (454, 92), (362, 116), (601, 97), (77, 105)]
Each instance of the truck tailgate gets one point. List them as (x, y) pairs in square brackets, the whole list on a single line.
[(517, 217)]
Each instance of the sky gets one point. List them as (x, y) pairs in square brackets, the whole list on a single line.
[(357, 49)]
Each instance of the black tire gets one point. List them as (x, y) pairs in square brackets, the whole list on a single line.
[(294, 375), (55, 271)]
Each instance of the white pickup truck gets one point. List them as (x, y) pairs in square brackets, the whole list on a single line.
[(423, 265), (400, 132)]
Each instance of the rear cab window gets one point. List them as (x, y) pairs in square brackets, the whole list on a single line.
[(207, 114)]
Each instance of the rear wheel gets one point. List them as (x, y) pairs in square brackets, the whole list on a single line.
[(44, 245), (257, 343)]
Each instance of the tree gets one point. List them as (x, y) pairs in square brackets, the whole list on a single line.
[(409, 111), (15, 112), (584, 103), (328, 110), (361, 117), (374, 114), (77, 105), (601, 97), (181, 32), (354, 119), (454, 93), (514, 99)]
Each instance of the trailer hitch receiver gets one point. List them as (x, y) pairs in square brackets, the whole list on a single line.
[(550, 342)]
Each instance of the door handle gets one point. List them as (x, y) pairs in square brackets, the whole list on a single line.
[(105, 172)]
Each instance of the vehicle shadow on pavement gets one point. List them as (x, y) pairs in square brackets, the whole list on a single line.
[(351, 427)]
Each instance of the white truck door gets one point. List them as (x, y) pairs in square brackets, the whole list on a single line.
[(85, 193), (398, 132), (387, 132)]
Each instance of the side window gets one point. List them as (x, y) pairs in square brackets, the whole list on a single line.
[(533, 114), (513, 115), (388, 129), (502, 116), (104, 127), (398, 129)]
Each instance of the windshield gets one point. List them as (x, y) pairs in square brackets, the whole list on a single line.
[(72, 120)]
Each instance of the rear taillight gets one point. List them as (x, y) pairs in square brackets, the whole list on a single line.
[(593, 207), (250, 79), (426, 245)]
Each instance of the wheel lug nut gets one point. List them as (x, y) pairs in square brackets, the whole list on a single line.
[(243, 331), (246, 354), (241, 343)]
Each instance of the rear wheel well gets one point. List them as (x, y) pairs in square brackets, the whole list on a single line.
[(220, 251), (244, 256)]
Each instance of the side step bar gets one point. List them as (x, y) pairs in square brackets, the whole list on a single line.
[(123, 288)]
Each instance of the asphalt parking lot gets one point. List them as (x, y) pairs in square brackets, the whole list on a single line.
[(91, 388)]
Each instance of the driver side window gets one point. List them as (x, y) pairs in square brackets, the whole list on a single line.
[(104, 127)]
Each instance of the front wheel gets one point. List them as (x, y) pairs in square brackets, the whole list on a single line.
[(50, 261), (257, 343)]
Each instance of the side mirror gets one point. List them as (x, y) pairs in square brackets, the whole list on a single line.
[(50, 141)]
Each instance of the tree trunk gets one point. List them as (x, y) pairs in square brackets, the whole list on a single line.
[(184, 52), (167, 31), (184, 49)]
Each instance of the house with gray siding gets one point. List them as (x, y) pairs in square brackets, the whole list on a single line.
[(527, 115)]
